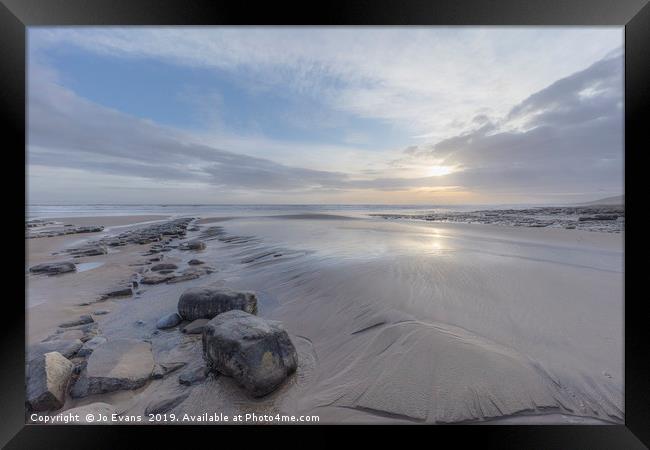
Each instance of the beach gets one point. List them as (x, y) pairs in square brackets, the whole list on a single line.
[(394, 321)]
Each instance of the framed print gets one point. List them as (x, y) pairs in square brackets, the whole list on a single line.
[(399, 217)]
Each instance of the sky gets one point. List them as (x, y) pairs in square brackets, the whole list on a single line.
[(307, 115)]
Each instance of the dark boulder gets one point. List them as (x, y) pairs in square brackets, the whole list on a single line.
[(257, 353), (207, 302)]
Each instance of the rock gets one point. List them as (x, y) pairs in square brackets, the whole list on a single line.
[(183, 277), (257, 353), (193, 376), (89, 229), (122, 292), (66, 335), (89, 250), (193, 245), (66, 347), (83, 332), (160, 406), (162, 369), (139, 322), (79, 366), (156, 279), (54, 268), (119, 364), (48, 377), (82, 320), (168, 321), (598, 217), (101, 312), (195, 327), (91, 345), (164, 266), (100, 413), (207, 302), (195, 262)]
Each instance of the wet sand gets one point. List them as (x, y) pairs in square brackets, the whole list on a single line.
[(395, 322)]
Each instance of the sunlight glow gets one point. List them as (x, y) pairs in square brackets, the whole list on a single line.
[(436, 171)]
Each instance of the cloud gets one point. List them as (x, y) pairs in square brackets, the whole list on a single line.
[(428, 80), (568, 135), (564, 138), (68, 131)]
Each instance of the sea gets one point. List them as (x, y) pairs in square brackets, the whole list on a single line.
[(42, 211)]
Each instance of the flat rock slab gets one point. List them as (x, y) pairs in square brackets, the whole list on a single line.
[(206, 302), (66, 335), (90, 345), (119, 364), (121, 292), (66, 347), (156, 278), (54, 268), (82, 320), (256, 352), (164, 266), (48, 377)]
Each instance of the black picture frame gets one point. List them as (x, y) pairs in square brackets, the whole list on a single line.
[(16, 15)]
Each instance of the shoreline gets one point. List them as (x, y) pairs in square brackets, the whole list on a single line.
[(315, 343)]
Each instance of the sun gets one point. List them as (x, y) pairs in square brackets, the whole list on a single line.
[(437, 171)]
